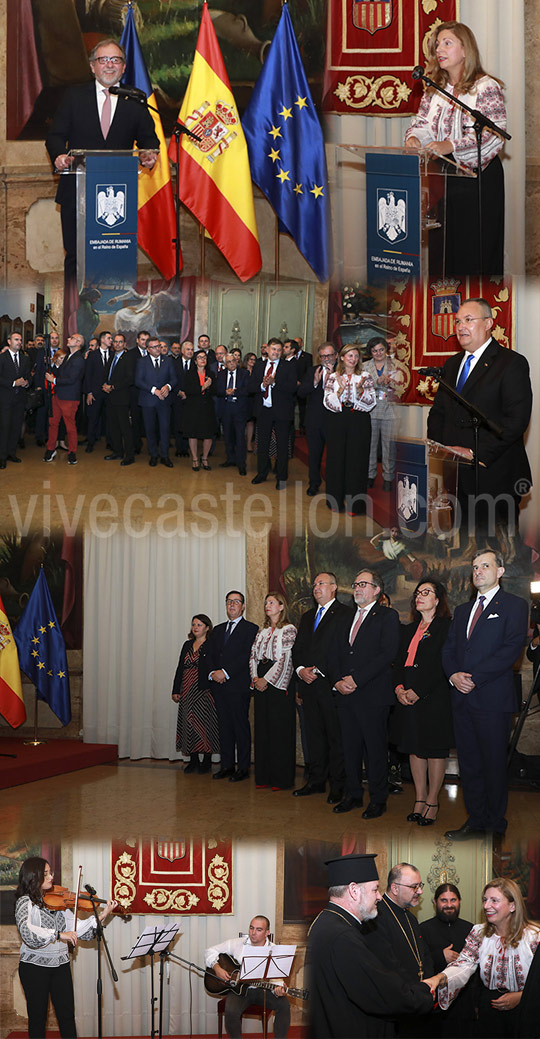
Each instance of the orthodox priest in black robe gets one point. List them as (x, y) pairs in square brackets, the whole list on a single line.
[(353, 994)]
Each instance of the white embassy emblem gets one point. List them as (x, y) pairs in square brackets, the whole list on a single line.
[(392, 215), (110, 204)]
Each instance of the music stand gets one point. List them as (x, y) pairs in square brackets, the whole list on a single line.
[(152, 940), (263, 963)]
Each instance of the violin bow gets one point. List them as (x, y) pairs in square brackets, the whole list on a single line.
[(77, 899)]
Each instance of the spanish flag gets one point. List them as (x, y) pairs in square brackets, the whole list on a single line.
[(11, 697), (157, 217), (215, 182)]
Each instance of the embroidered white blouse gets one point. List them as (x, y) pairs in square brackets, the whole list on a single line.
[(499, 965), (39, 930), (277, 646), (439, 120), (359, 392)]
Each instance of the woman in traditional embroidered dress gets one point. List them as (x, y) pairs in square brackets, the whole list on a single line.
[(349, 396), (445, 129), (271, 671), (502, 950), (197, 727), (44, 967)]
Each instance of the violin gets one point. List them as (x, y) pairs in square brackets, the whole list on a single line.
[(62, 898)]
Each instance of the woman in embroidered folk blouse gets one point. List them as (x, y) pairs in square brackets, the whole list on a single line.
[(445, 129), (44, 967), (275, 711), (349, 396), (502, 950)]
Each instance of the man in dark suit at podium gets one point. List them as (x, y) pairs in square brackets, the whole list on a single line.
[(155, 377), (89, 117), (229, 650), (497, 381)]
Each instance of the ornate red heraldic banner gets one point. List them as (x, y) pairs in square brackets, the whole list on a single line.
[(372, 47), (185, 877), (422, 320)]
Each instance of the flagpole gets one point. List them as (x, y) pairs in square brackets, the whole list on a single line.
[(276, 250), (203, 254), (35, 742)]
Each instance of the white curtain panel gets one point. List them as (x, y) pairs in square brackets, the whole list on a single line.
[(186, 1007), (139, 597), (499, 29)]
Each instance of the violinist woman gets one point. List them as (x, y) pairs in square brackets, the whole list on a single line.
[(199, 420), (44, 967)]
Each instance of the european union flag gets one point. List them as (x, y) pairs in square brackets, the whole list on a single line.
[(286, 148), (42, 650)]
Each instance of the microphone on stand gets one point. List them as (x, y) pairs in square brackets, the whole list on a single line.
[(131, 92), (435, 372)]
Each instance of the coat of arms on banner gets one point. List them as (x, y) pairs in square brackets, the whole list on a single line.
[(444, 305), (110, 204), (391, 215), (165, 875), (372, 14), (407, 497), (213, 128)]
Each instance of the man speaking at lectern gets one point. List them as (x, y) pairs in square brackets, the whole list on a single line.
[(497, 381), (91, 118)]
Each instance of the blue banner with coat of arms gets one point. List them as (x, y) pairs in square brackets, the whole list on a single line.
[(393, 216), (110, 239)]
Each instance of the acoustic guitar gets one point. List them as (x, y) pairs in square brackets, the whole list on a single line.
[(217, 987)]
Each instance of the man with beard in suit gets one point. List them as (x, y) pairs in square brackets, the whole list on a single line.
[(314, 643), (118, 386), (229, 649), (362, 675), (497, 381), (89, 117), (14, 380)]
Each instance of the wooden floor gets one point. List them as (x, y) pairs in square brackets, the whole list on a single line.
[(147, 797)]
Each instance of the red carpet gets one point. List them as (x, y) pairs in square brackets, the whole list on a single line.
[(49, 759), (383, 503)]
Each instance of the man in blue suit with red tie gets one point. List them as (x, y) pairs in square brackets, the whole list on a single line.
[(485, 639), (229, 650), (155, 378)]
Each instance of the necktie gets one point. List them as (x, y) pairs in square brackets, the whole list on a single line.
[(477, 614), (464, 373), (356, 626), (269, 371), (230, 381), (106, 114), (318, 616), (17, 363), (111, 370), (228, 630)]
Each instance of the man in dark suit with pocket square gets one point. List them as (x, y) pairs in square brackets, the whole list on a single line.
[(485, 639), (229, 650), (155, 377), (363, 678)]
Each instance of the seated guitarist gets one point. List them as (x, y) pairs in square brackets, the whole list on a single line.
[(235, 1005)]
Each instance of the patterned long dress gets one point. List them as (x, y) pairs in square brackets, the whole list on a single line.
[(196, 727)]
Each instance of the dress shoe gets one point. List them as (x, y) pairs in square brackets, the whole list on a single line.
[(166, 462), (347, 805), (153, 461), (127, 461), (465, 833), (112, 458), (427, 820), (2, 463), (259, 478), (239, 775), (89, 448), (308, 789), (334, 797), (224, 773), (281, 485), (241, 471), (414, 817), (13, 458), (227, 465), (312, 491), (374, 810)]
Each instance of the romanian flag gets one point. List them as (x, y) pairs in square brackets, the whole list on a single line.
[(215, 182), (157, 216), (11, 697)]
